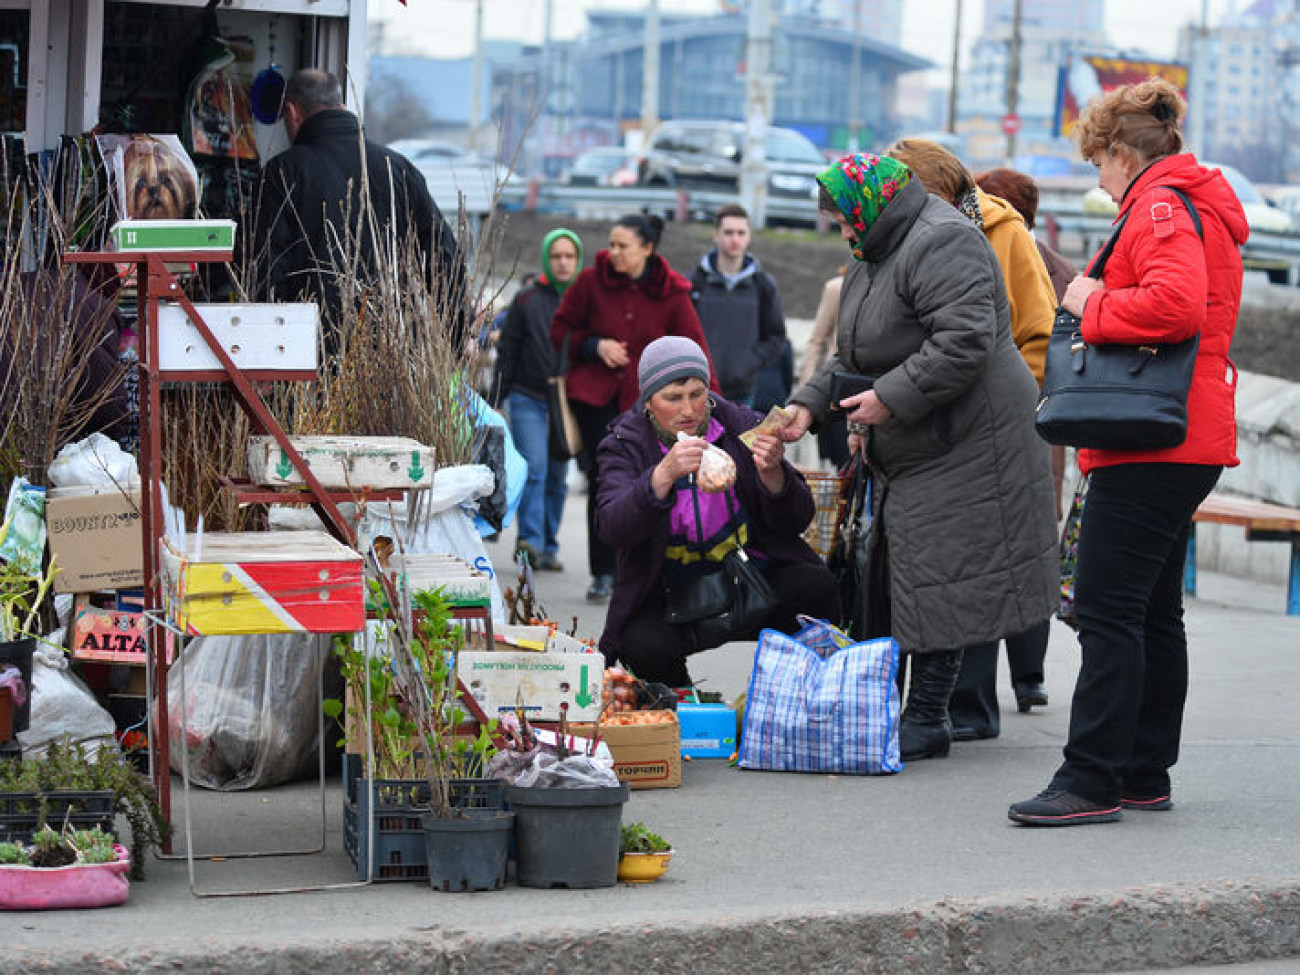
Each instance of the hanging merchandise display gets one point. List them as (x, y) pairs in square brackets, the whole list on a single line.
[(267, 93)]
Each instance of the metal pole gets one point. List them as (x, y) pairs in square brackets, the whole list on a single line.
[(855, 80), (952, 81), (758, 111), (476, 82), (650, 72), (1013, 78)]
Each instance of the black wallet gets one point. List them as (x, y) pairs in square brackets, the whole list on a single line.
[(846, 384)]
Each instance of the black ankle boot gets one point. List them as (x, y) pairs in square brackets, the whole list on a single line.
[(925, 731)]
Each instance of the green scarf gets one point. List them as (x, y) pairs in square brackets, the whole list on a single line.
[(547, 241), (862, 186)]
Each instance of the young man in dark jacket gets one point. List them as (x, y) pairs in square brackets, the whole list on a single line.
[(526, 360), (307, 209), (739, 306)]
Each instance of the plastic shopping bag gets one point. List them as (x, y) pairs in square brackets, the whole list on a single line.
[(820, 702)]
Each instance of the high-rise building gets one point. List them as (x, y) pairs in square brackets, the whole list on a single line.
[(1063, 16), (881, 20)]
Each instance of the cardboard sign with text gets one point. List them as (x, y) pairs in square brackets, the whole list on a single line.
[(95, 538)]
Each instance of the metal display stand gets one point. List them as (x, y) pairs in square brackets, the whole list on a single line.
[(155, 284)]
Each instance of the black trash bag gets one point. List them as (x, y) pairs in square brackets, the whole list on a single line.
[(489, 449)]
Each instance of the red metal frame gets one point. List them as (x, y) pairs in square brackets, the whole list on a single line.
[(155, 283)]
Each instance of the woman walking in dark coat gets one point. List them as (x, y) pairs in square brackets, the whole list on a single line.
[(665, 528), (611, 313), (963, 535), (1164, 282)]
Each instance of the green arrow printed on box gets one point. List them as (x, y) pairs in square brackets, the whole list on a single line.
[(416, 471), (284, 468), (583, 697)]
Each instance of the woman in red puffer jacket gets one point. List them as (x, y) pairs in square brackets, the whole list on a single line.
[(1164, 282)]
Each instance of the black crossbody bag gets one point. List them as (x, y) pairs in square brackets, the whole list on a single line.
[(1116, 397), (728, 601)]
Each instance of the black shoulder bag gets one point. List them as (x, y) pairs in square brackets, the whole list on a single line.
[(730, 600), (1116, 397)]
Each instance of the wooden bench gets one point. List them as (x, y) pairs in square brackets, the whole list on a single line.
[(1264, 522)]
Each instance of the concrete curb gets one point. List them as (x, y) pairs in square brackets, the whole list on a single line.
[(1147, 927)]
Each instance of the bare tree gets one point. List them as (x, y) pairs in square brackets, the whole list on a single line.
[(394, 110)]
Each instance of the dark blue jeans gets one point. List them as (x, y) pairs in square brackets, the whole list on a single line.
[(542, 504), (1127, 715)]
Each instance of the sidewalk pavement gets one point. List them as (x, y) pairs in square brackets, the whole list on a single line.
[(785, 873)]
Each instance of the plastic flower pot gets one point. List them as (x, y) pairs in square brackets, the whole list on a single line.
[(643, 868), (469, 851), (19, 654), (567, 837), (79, 885)]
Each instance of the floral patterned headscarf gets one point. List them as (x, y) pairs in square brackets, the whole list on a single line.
[(862, 186)]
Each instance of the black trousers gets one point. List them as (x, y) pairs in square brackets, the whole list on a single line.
[(657, 651), (1127, 715), (592, 421), (974, 702)]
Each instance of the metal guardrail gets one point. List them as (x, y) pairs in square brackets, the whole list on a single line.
[(1277, 254)]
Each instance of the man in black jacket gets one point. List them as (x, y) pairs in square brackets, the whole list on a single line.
[(740, 308), (308, 208)]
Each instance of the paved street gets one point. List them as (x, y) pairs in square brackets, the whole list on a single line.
[(918, 872)]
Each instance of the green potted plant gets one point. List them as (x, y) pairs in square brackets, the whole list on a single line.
[(643, 855), (68, 869), (23, 591), (65, 786), (417, 717)]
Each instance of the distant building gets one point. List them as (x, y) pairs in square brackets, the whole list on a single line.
[(1244, 90), (1055, 16), (881, 20), (595, 82)]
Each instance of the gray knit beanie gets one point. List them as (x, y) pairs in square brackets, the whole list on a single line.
[(669, 359)]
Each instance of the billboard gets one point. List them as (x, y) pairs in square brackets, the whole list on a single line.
[(1088, 75)]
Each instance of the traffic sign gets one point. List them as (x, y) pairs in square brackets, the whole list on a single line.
[(1011, 123)]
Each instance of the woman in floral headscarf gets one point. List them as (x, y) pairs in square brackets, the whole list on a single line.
[(963, 542)]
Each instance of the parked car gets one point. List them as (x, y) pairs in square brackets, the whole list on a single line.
[(604, 166), (451, 171), (707, 155), (1261, 214)]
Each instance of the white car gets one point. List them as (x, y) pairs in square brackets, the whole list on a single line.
[(1260, 214), (451, 171)]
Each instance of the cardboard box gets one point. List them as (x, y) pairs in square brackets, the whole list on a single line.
[(646, 756), (345, 463), (95, 538), (173, 235), (263, 582), (708, 730), (540, 682)]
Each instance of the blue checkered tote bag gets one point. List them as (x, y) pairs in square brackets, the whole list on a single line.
[(820, 702)]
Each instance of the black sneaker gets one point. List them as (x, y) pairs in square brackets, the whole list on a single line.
[(550, 563), (600, 588), (1149, 803), (1056, 807)]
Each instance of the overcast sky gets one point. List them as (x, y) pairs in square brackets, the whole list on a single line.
[(445, 28)]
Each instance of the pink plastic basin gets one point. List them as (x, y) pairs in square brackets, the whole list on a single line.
[(80, 885)]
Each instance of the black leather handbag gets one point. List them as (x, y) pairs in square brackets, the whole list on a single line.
[(730, 600), (1115, 397)]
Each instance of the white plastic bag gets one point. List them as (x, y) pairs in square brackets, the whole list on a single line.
[(95, 460), (63, 709), (252, 707), (574, 772)]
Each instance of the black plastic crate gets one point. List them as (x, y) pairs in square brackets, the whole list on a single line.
[(20, 813), (399, 834)]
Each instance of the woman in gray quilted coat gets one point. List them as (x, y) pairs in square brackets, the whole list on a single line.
[(963, 544)]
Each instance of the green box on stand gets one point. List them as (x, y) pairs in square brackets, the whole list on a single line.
[(708, 730), (173, 235)]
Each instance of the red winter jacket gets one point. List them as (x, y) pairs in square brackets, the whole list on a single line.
[(1164, 285), (602, 303)]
